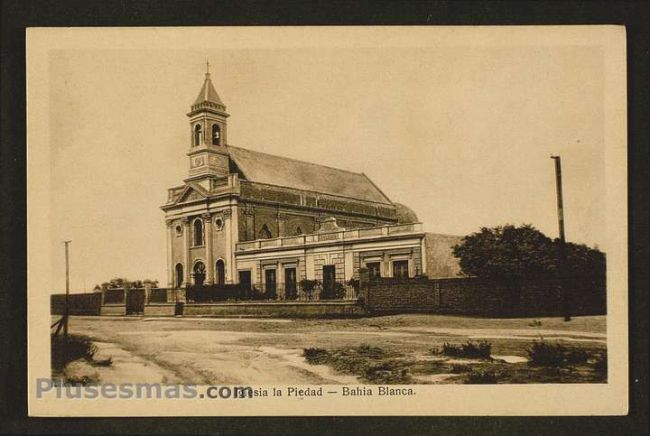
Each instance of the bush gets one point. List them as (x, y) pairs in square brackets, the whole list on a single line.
[(578, 356), (70, 348), (354, 283), (391, 372), (308, 286), (337, 292), (370, 351), (470, 350), (315, 356), (544, 354), (600, 365), (481, 378)]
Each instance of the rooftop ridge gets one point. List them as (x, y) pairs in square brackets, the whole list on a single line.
[(301, 161)]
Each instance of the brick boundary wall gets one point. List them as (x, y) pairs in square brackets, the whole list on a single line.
[(477, 297)]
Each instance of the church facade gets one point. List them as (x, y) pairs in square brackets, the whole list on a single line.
[(269, 222)]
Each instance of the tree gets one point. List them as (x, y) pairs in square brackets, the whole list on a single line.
[(119, 283), (512, 254), (506, 253)]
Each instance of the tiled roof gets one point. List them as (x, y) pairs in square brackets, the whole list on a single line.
[(281, 171)]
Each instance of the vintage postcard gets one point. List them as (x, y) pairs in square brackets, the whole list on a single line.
[(327, 221)]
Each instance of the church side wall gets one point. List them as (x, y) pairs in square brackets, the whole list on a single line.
[(284, 210)]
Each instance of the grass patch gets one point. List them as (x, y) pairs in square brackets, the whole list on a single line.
[(371, 364), (468, 350), (600, 365), (481, 378)]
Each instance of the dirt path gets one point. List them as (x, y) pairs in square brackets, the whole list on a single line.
[(197, 356), (269, 351)]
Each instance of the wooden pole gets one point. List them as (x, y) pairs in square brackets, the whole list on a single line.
[(562, 248), (67, 289)]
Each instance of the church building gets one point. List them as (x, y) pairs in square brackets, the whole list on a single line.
[(265, 221)]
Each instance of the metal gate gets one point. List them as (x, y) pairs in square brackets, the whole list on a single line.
[(135, 302)]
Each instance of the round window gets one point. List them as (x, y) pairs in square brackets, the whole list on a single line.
[(179, 230), (218, 223)]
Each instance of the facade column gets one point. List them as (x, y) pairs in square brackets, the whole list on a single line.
[(234, 220), (187, 273), (207, 228), (170, 261), (230, 246)]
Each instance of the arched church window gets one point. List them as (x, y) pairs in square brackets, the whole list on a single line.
[(298, 231), (198, 232), (220, 272), (265, 233), (197, 134), (216, 134)]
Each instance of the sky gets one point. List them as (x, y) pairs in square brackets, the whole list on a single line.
[(461, 134)]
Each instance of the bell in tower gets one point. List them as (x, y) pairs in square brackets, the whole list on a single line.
[(208, 122)]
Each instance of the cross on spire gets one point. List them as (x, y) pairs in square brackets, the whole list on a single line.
[(207, 66)]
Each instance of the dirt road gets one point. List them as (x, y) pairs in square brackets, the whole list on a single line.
[(265, 351)]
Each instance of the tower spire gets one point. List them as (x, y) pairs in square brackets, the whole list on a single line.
[(208, 95), (208, 122)]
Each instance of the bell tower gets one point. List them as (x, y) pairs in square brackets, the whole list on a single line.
[(208, 129)]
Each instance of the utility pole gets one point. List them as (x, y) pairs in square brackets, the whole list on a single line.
[(562, 248), (67, 289)]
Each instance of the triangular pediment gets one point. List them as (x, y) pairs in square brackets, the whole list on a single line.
[(192, 193)]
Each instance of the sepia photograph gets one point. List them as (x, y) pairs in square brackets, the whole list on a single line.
[(311, 220)]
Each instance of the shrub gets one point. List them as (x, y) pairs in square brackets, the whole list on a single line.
[(576, 356), (391, 371), (481, 378), (370, 351), (355, 284), (544, 354), (70, 348), (336, 292), (471, 350), (600, 365), (308, 286), (315, 356)]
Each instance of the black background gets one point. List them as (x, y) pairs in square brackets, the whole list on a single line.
[(17, 15)]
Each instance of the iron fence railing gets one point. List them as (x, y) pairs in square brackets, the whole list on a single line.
[(158, 295), (114, 296), (306, 290), (269, 292)]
